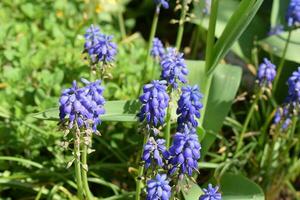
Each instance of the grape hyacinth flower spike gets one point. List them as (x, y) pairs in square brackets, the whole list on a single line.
[(164, 3), (185, 152), (154, 152), (173, 67), (266, 73), (158, 49), (293, 13), (82, 105), (99, 46), (189, 106), (155, 100), (158, 188), (211, 193)]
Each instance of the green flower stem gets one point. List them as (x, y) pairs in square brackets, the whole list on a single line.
[(139, 180), (150, 42), (78, 166), (122, 25), (86, 188), (181, 24), (280, 67), (168, 127), (248, 118)]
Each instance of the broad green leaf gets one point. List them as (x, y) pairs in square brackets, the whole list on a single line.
[(232, 187), (225, 83), (275, 45), (240, 188), (279, 9), (122, 111)]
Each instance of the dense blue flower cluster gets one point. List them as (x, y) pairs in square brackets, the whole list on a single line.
[(99, 46), (155, 100), (266, 72), (158, 188), (164, 3), (294, 87), (189, 106), (211, 193), (82, 105), (154, 152), (185, 152), (173, 67), (276, 30), (293, 13), (158, 49)]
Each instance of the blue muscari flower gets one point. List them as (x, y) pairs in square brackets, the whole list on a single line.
[(184, 152), (276, 30), (158, 49), (158, 188), (266, 72), (189, 106), (173, 67), (82, 105), (154, 152), (293, 13), (164, 3), (155, 100), (99, 46), (294, 87), (211, 193)]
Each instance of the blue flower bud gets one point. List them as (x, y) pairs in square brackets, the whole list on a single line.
[(293, 13), (266, 72), (155, 100), (173, 67), (158, 49), (189, 106), (211, 193), (184, 152), (158, 188)]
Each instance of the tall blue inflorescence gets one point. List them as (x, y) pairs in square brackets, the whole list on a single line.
[(266, 72), (158, 188), (164, 3), (158, 49), (293, 13), (154, 152), (155, 100), (211, 193), (294, 87), (99, 46), (189, 106), (173, 67), (185, 152), (82, 105)]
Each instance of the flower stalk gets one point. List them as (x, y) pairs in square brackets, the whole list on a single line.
[(184, 10), (282, 61)]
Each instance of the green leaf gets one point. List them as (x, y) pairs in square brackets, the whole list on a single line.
[(193, 193), (275, 45), (242, 47), (225, 83), (240, 188), (237, 24), (119, 111), (232, 187), (21, 160)]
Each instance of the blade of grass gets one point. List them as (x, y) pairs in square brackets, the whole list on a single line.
[(22, 160)]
